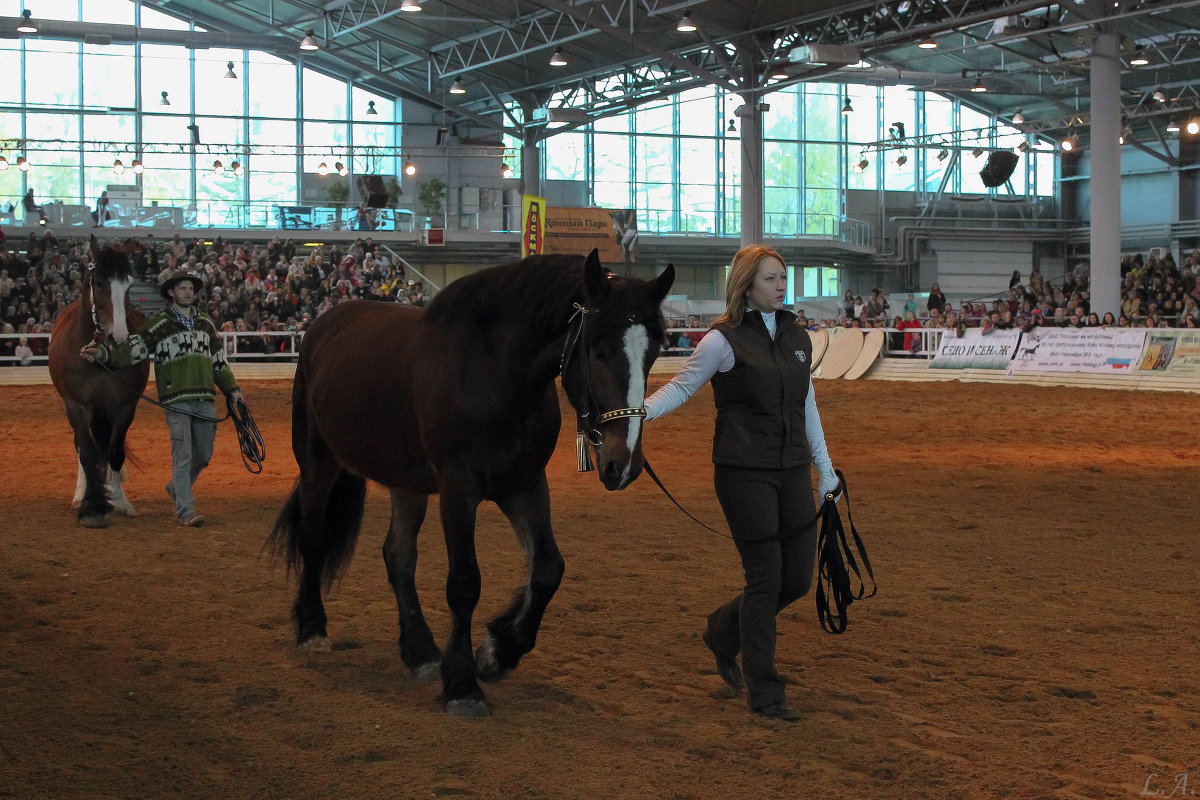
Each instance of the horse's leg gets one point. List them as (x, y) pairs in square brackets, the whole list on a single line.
[(80, 483), (116, 493), (94, 504), (460, 687), (116, 462), (514, 633), (417, 648)]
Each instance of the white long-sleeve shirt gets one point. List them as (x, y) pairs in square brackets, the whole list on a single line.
[(714, 354)]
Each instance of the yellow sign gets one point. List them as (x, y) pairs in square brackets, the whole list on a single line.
[(533, 222)]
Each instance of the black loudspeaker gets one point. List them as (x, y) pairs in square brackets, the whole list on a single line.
[(372, 191), (999, 167)]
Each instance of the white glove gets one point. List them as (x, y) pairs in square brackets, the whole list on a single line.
[(827, 483)]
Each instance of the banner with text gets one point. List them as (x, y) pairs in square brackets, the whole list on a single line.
[(533, 225), (1107, 350), (1175, 352), (976, 350), (579, 230)]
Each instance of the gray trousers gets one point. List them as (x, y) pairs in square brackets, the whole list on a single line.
[(191, 450)]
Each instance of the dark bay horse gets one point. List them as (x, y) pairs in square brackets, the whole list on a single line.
[(100, 405), (459, 400)]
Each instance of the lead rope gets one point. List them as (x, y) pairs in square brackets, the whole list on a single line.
[(831, 565)]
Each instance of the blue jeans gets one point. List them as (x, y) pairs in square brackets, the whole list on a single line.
[(191, 450)]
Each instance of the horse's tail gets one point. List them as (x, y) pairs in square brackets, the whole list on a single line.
[(322, 539)]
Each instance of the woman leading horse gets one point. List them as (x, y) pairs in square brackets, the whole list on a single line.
[(459, 400)]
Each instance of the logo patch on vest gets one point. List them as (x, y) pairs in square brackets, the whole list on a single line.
[(800, 355)]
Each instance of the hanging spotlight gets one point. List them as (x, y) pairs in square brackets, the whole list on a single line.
[(902, 160), (685, 23), (1070, 144), (778, 72), (237, 168), (23, 164), (164, 101), (137, 167), (309, 42), (847, 108), (1126, 135), (322, 169), (943, 154), (861, 166), (1193, 126), (229, 73), (457, 88), (1023, 146), (927, 44), (1173, 126), (341, 169), (3, 163), (410, 6), (1139, 58), (1018, 118), (371, 112), (1160, 95), (118, 167), (410, 168), (977, 152), (557, 59), (505, 170), (26, 25), (979, 88), (218, 168)]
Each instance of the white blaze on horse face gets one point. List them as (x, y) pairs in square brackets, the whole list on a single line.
[(637, 341), (117, 288)]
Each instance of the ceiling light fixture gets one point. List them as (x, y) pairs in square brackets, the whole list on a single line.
[(1173, 126), (557, 59), (164, 101), (847, 108), (371, 112), (732, 128), (927, 44), (237, 168), (977, 152), (137, 167), (309, 42), (229, 73), (979, 88), (1193, 126), (26, 25), (118, 167), (218, 168), (861, 166), (1070, 144), (1139, 58), (1160, 95), (1023, 146), (778, 73), (902, 160), (1126, 135), (322, 169), (411, 6), (410, 168), (341, 169), (23, 164), (3, 163), (943, 154), (685, 23), (505, 170), (1018, 118), (457, 88)]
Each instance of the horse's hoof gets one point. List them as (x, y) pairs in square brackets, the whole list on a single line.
[(428, 672), (93, 521), (317, 644), (473, 709), (126, 510), (487, 664)]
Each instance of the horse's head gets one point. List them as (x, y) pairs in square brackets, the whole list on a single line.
[(620, 330), (109, 280)]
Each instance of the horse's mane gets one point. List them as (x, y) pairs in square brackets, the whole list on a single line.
[(538, 290), (113, 262)]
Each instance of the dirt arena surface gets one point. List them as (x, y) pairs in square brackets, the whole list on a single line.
[(1035, 633)]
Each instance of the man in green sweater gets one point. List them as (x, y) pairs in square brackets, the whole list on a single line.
[(189, 365)]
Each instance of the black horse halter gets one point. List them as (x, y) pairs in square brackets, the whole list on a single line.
[(97, 328), (585, 432)]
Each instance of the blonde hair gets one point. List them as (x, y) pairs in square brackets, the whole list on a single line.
[(741, 275)]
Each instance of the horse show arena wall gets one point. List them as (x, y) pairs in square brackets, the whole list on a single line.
[(1035, 634)]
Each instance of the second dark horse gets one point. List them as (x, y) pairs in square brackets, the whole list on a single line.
[(460, 400)]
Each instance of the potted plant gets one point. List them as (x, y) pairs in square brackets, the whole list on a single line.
[(394, 191), (430, 198), (338, 192)]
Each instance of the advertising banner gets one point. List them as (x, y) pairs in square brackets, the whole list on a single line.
[(533, 225), (1104, 350), (1174, 352), (976, 350), (580, 230)]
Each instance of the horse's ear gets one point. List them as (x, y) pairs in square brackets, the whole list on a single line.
[(94, 246), (595, 278), (662, 284)]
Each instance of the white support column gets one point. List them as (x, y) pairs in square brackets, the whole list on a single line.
[(1106, 175), (750, 122)]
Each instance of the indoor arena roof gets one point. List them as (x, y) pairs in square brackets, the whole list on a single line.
[(1032, 56)]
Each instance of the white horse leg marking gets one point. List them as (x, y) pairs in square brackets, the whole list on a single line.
[(80, 483), (637, 341), (116, 494), (117, 289)]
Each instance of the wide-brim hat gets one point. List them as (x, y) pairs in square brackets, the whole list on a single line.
[(179, 275)]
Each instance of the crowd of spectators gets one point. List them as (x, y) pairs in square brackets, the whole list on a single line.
[(255, 290)]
